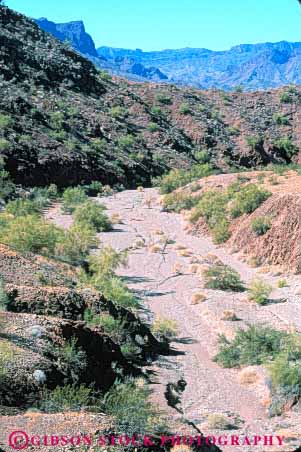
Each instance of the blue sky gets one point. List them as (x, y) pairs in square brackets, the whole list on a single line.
[(161, 24)]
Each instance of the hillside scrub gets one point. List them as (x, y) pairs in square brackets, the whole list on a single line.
[(223, 277), (178, 178)]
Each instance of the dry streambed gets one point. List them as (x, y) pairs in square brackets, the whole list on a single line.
[(163, 271)]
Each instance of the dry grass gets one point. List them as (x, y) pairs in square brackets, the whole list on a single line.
[(229, 315), (148, 202), (139, 243), (177, 268), (248, 376), (116, 218), (253, 262), (140, 189), (158, 232), (213, 259), (180, 247), (184, 253), (155, 248), (198, 298)]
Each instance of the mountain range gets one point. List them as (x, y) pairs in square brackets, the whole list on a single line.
[(251, 66)]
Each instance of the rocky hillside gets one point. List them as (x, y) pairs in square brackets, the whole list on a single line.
[(252, 66), (63, 121)]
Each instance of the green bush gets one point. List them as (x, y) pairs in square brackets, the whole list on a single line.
[(178, 178), (5, 121), (30, 233), (286, 147), (286, 98), (259, 291), (94, 188), (91, 214), (126, 142), (21, 207), (281, 120), (105, 263), (220, 231), (253, 346), (153, 127), (261, 225), (118, 112), (164, 99), (185, 109), (74, 245), (70, 360), (67, 398), (178, 201), (223, 277), (248, 199), (129, 405), (114, 289), (202, 156), (212, 207), (72, 197), (113, 327), (3, 296), (4, 145), (156, 111), (164, 328), (253, 141), (285, 371)]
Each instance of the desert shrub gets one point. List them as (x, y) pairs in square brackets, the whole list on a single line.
[(129, 405), (156, 111), (253, 141), (126, 142), (261, 225), (164, 99), (282, 283), (73, 245), (72, 197), (112, 327), (7, 355), (118, 112), (248, 199), (104, 75), (212, 207), (153, 127), (21, 207), (114, 289), (202, 156), (259, 291), (5, 121), (30, 233), (164, 328), (70, 360), (4, 145), (94, 188), (185, 109), (67, 398), (234, 131), (286, 147), (253, 346), (223, 277), (177, 201), (286, 98), (3, 296), (281, 120), (105, 263), (220, 231), (91, 214), (178, 178)]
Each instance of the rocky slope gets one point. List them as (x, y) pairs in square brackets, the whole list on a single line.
[(64, 122)]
